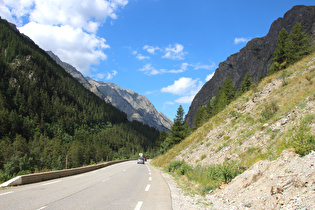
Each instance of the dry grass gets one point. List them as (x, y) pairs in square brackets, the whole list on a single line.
[(240, 133)]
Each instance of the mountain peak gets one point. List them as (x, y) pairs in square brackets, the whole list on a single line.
[(136, 106)]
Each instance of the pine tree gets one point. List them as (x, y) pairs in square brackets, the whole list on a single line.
[(162, 137), (297, 44), (279, 54), (246, 83), (290, 48), (225, 94), (180, 128)]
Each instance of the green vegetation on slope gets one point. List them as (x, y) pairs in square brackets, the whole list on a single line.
[(258, 125), (290, 48), (46, 116)]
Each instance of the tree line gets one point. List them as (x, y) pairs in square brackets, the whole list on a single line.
[(47, 117), (291, 47)]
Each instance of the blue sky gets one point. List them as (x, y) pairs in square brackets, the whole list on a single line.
[(162, 49)]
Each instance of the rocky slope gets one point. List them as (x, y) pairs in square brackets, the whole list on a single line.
[(254, 58), (242, 130), (285, 183), (136, 106), (275, 178)]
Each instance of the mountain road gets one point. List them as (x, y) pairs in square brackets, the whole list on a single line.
[(126, 185)]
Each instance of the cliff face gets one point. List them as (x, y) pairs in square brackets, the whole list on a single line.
[(254, 58)]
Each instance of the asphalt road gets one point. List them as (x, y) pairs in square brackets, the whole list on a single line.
[(126, 185)]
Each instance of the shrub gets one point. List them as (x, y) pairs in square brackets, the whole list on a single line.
[(184, 168), (270, 109), (203, 156), (284, 76), (303, 141), (174, 165)]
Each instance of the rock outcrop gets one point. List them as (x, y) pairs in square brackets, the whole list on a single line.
[(254, 58)]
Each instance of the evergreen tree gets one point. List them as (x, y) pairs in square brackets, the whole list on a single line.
[(200, 117), (290, 48), (162, 137), (180, 128), (279, 54), (225, 94), (246, 83), (297, 44)]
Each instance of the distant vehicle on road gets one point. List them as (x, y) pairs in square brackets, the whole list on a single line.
[(145, 159), (140, 161)]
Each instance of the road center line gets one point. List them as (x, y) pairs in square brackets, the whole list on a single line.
[(150, 178), (42, 208), (147, 188), (138, 206), (7, 193), (51, 183)]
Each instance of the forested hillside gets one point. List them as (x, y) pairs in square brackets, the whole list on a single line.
[(47, 116)]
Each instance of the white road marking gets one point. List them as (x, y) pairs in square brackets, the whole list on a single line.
[(147, 188), (51, 183), (7, 193), (150, 178), (105, 180), (150, 174), (138, 206), (42, 208), (124, 170)]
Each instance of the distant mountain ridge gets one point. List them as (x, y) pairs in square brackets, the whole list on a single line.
[(136, 106), (254, 58)]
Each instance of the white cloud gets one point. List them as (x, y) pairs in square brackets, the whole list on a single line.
[(203, 66), (149, 70), (151, 49), (187, 88), (167, 103), (185, 99), (111, 75), (151, 92), (142, 57), (175, 52), (80, 14), (182, 69), (16, 9), (6, 14), (106, 76), (68, 28), (183, 85), (73, 46), (239, 40), (209, 76)]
